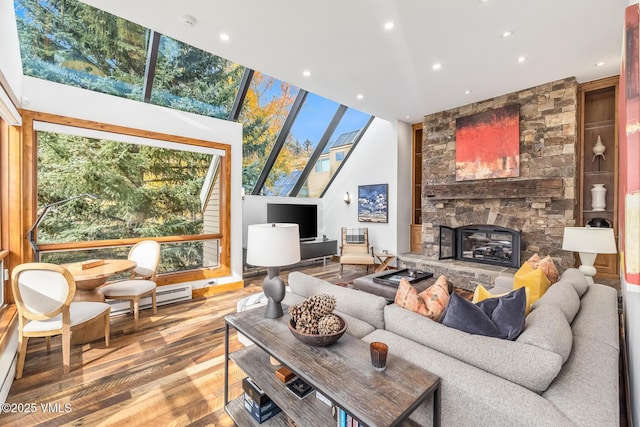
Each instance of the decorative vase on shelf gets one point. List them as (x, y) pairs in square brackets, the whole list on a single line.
[(599, 149), (598, 194)]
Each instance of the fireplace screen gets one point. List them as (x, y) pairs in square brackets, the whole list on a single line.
[(486, 244)]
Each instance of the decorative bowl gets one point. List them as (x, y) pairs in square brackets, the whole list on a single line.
[(318, 340)]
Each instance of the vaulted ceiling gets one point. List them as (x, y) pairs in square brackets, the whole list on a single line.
[(347, 51)]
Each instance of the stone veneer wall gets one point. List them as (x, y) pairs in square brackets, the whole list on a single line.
[(540, 203)]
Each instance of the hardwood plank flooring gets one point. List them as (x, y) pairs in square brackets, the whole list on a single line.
[(169, 372)]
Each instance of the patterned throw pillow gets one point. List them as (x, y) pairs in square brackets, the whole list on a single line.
[(407, 297), (436, 298), (430, 303), (547, 265)]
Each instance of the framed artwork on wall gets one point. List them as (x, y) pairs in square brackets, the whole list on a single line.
[(373, 203), (488, 144)]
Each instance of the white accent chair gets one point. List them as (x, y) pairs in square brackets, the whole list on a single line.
[(43, 293), (142, 283)]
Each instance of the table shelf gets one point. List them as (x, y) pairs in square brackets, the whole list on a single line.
[(305, 412)]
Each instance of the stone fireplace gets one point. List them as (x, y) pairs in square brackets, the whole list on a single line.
[(485, 244), (538, 204)]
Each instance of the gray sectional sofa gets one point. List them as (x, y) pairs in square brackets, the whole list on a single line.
[(561, 371)]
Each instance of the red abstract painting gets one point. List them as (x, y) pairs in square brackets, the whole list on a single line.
[(488, 144)]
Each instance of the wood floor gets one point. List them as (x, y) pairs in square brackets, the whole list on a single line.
[(169, 372)]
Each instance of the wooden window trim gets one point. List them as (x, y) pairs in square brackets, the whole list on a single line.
[(26, 178)]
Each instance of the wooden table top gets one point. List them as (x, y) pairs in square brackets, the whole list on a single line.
[(93, 277), (343, 371)]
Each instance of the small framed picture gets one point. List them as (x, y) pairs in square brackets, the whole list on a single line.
[(373, 203)]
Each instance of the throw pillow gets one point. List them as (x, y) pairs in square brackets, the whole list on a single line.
[(436, 298), (501, 317), (535, 280), (407, 297), (549, 267), (546, 264), (534, 260), (481, 294)]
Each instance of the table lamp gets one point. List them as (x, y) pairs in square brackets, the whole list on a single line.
[(273, 246), (589, 242)]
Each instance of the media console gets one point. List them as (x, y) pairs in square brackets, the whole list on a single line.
[(318, 249)]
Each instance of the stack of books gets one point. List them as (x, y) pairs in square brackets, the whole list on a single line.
[(343, 419), (257, 403)]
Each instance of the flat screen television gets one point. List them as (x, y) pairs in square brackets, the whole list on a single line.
[(306, 216)]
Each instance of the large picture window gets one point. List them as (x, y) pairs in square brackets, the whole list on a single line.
[(145, 189)]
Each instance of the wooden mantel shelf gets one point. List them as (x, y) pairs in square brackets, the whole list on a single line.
[(496, 189)]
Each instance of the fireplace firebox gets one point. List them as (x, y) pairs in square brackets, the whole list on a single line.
[(487, 244)]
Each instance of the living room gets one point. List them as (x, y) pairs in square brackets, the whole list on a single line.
[(387, 140)]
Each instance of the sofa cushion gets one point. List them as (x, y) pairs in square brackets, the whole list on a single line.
[(501, 317), (598, 316), (545, 264), (526, 365), (587, 388), (361, 305), (577, 280), (547, 328), (563, 296), (470, 396)]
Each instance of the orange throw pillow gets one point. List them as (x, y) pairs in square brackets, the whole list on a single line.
[(436, 298), (549, 267), (407, 297), (430, 303)]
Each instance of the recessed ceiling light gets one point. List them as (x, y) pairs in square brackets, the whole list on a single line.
[(388, 25), (521, 59), (467, 92), (224, 37), (189, 20), (600, 64), (407, 117), (359, 96), (306, 73), (437, 66), (507, 33)]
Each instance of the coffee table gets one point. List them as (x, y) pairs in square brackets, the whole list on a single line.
[(342, 372), (368, 284)]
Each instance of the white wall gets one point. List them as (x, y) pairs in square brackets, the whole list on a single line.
[(44, 96), (373, 161)]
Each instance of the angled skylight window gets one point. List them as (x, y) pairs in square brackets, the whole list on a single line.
[(263, 114), (335, 153), (190, 79), (308, 128), (72, 43)]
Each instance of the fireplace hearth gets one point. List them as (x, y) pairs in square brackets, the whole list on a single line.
[(486, 244)]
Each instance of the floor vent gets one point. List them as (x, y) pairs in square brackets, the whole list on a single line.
[(164, 295)]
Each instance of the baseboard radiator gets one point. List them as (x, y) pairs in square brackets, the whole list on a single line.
[(164, 295)]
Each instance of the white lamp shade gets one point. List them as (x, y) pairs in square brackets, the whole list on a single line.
[(273, 245), (589, 240)]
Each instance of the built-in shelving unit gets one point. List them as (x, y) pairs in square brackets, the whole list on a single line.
[(598, 116)]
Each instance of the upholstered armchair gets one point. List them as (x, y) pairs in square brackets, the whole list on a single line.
[(44, 294), (355, 248)]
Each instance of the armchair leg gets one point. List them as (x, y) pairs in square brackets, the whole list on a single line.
[(22, 354), (341, 270)]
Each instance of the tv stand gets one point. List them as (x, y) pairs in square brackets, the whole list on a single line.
[(318, 249)]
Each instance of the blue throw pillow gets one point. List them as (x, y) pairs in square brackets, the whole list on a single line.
[(501, 317)]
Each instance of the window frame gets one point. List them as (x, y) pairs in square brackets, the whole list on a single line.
[(30, 197)]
